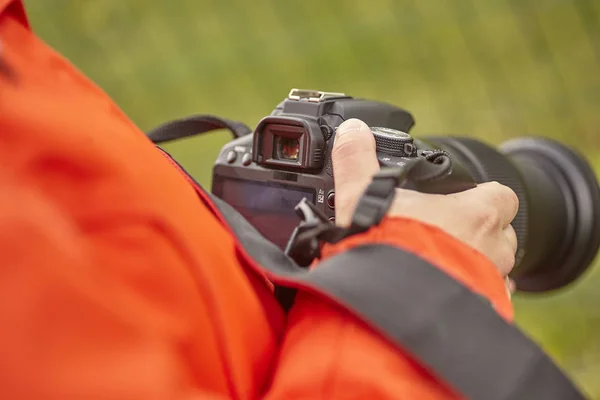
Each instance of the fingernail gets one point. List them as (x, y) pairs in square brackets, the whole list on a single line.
[(350, 125)]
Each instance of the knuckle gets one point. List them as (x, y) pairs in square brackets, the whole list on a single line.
[(498, 204), (505, 196), (488, 218)]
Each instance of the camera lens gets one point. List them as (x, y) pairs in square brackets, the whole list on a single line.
[(287, 148), (558, 223)]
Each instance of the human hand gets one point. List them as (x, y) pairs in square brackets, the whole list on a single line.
[(479, 217)]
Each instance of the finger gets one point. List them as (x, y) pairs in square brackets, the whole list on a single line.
[(502, 198), (511, 237), (354, 164)]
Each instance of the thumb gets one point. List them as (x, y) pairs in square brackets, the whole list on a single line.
[(354, 164)]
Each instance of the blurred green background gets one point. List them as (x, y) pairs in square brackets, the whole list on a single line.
[(491, 69)]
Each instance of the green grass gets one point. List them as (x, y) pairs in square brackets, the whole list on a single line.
[(494, 70)]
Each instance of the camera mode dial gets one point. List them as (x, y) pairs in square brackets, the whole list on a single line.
[(394, 142)]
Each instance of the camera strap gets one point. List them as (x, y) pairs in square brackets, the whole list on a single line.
[(410, 303), (195, 125)]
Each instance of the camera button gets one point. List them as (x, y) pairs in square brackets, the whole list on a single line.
[(231, 156), (247, 159), (332, 219), (331, 199)]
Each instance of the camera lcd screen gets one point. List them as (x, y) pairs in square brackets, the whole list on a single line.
[(269, 207)]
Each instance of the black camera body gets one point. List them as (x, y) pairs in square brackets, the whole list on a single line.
[(265, 174), (288, 157)]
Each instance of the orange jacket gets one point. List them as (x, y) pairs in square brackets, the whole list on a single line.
[(118, 283)]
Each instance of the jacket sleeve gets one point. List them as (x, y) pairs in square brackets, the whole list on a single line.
[(75, 327), (329, 354)]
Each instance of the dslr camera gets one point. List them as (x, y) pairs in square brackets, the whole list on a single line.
[(266, 173)]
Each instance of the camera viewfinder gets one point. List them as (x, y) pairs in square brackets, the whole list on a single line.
[(286, 148)]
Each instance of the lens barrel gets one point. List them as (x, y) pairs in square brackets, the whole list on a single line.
[(558, 223)]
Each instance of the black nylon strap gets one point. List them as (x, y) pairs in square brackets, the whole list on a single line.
[(417, 307), (377, 198), (191, 126), (442, 324)]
